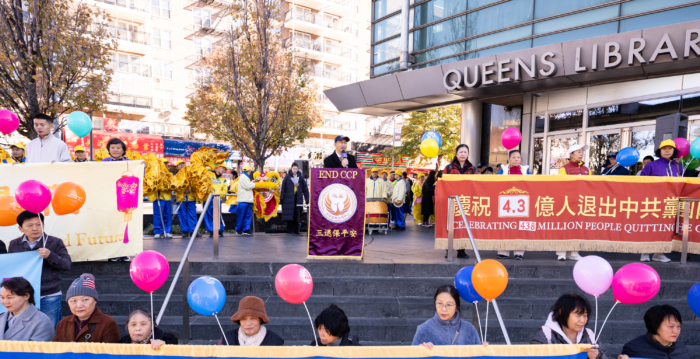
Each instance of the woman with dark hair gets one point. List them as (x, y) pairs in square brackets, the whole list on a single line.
[(293, 193), (446, 327), (566, 324), (513, 168), (334, 329), (139, 327), (22, 321), (251, 332), (460, 164), (116, 149), (427, 199), (663, 324)]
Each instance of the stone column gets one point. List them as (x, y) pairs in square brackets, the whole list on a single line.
[(470, 129)]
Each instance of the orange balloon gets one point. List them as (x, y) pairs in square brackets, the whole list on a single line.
[(490, 279), (9, 210), (68, 197)]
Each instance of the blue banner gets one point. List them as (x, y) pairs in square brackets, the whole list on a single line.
[(179, 148), (26, 265)]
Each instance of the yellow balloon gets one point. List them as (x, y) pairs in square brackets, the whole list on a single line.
[(429, 148)]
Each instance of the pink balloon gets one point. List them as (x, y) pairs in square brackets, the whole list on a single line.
[(593, 275), (294, 284), (149, 270), (635, 283), (511, 138), (8, 122), (683, 146), (33, 196)]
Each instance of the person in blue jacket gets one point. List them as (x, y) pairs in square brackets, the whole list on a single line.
[(187, 212), (615, 168)]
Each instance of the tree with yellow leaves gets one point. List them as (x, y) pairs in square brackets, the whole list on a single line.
[(255, 94)]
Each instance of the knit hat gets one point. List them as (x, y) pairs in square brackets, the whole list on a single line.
[(253, 306), (85, 285)]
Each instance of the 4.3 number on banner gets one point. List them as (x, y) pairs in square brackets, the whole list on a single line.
[(514, 206)]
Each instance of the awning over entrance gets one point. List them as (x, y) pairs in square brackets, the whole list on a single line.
[(658, 51)]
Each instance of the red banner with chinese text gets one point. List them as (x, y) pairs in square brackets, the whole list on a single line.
[(628, 214), (134, 141)]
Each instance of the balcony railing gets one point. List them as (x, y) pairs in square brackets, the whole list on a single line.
[(349, 52), (130, 68), (335, 75), (327, 22), (137, 37), (138, 5), (340, 125), (121, 99)]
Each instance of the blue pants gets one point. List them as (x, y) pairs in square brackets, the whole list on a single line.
[(398, 216), (51, 306), (209, 218), (406, 208), (244, 216), (163, 207), (233, 208), (188, 216)]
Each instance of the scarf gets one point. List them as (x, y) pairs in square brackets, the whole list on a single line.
[(515, 170), (252, 341)]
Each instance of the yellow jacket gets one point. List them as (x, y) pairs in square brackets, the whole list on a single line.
[(219, 183), (375, 188), (233, 188), (417, 189)]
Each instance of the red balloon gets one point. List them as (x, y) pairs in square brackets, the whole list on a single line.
[(294, 284), (635, 283), (33, 196), (511, 138), (149, 270)]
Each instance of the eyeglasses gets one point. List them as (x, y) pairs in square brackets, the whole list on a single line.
[(445, 305)]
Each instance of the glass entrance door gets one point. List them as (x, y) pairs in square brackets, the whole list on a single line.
[(602, 143), (558, 151)]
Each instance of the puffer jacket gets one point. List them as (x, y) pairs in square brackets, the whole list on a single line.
[(558, 337), (574, 168), (646, 347), (245, 189)]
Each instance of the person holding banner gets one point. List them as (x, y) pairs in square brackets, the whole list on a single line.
[(17, 154), (575, 167), (22, 321), (446, 327), (566, 324), (80, 154), (244, 209), (334, 329), (139, 325), (513, 168), (398, 194), (663, 323), (417, 189), (374, 186), (250, 318), (46, 148), (56, 259), (117, 150), (87, 323), (665, 166), (615, 169)]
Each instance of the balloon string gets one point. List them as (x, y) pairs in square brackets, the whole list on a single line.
[(222, 329), (312, 323), (486, 328), (51, 227), (606, 319), (41, 224), (153, 326), (595, 332), (481, 330)]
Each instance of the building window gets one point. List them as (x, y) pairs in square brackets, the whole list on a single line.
[(202, 47), (545, 8), (435, 10), (568, 120), (539, 124), (162, 99), (662, 18), (496, 17), (439, 34), (633, 112), (579, 19), (499, 37), (202, 76), (163, 69), (387, 50), (578, 34), (635, 7), (385, 7), (160, 8), (387, 28), (201, 17), (162, 38)]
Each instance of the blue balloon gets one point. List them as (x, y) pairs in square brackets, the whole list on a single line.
[(463, 283), (79, 123), (627, 156), (206, 296), (695, 148), (694, 299), (434, 135)]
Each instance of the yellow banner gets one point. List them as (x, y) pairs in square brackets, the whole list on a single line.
[(97, 230)]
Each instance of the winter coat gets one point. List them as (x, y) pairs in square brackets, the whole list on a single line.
[(289, 199), (574, 168), (506, 170), (59, 260), (442, 332), (30, 326), (615, 170), (417, 189), (646, 346), (271, 338), (398, 192), (3, 248), (159, 334), (455, 169), (409, 191), (245, 189), (663, 168), (558, 337), (345, 341), (105, 329), (427, 207), (375, 188)]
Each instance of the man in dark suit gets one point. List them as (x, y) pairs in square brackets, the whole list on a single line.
[(339, 158)]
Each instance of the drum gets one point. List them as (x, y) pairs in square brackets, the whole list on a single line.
[(377, 211)]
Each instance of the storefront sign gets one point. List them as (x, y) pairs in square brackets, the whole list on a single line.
[(96, 231), (567, 213), (135, 142), (337, 213)]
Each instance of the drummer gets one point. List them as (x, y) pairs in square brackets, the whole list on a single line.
[(375, 187)]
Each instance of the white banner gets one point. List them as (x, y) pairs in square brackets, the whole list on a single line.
[(97, 230)]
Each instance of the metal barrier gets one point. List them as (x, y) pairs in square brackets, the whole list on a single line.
[(686, 224), (450, 250)]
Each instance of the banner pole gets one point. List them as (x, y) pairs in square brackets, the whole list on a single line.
[(478, 259)]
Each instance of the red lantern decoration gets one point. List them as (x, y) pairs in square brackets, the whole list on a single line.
[(127, 198)]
